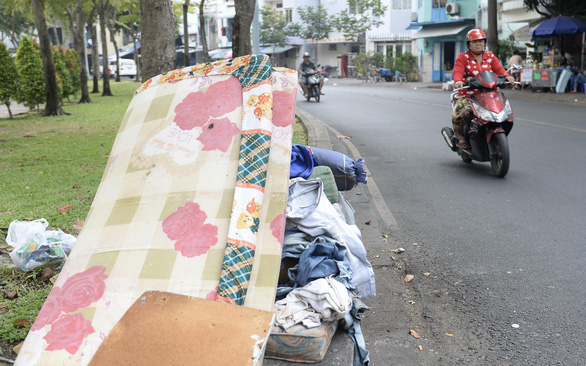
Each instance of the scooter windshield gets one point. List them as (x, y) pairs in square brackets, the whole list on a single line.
[(488, 79)]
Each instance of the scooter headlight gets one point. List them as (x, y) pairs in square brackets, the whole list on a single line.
[(487, 115)]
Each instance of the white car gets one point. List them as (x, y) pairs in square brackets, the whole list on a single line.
[(127, 68)]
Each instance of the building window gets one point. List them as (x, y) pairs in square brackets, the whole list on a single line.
[(289, 15), (332, 47), (380, 49), (439, 4), (401, 4)]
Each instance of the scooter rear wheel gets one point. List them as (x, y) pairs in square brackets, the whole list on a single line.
[(316, 93), (499, 154)]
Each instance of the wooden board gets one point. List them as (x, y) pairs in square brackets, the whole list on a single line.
[(162, 328)]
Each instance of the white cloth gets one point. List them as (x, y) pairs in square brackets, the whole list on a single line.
[(309, 209), (324, 299)]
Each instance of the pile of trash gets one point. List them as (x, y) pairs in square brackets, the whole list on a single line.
[(325, 274), (35, 246)]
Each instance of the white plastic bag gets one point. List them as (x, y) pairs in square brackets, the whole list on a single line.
[(34, 246)]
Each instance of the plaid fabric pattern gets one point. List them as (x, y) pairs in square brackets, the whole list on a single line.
[(235, 274), (256, 70), (254, 158)]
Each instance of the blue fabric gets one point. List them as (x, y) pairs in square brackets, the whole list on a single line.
[(301, 162), (347, 173), (559, 25), (352, 326), (319, 260), (295, 244)]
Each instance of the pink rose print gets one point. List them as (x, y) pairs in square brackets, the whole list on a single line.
[(83, 289), (50, 310), (283, 108), (192, 111), (217, 134), (68, 332), (186, 226), (224, 97), (212, 294), (278, 227)]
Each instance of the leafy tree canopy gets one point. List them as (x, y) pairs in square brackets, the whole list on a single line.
[(553, 8), (30, 68), (316, 22), (359, 17), (274, 28)]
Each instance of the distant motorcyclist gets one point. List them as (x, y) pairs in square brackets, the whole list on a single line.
[(470, 64), (307, 66)]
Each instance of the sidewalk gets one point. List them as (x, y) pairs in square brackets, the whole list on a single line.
[(14, 108), (526, 93)]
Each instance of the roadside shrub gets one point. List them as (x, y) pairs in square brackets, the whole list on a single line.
[(9, 78), (30, 68), (64, 82), (72, 63), (406, 64)]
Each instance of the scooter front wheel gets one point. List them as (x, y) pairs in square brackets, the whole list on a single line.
[(499, 154)]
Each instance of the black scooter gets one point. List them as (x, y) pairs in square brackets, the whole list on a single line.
[(313, 81)]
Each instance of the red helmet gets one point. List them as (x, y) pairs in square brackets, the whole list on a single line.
[(475, 34)]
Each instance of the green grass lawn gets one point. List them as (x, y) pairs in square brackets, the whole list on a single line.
[(50, 162), (47, 163)]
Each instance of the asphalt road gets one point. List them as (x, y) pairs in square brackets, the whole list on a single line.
[(505, 258)]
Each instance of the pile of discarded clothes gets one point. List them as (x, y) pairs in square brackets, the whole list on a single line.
[(324, 270)]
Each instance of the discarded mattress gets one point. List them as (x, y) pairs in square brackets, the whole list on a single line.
[(192, 202), (301, 344)]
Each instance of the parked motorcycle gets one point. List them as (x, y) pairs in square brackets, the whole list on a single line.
[(313, 81), (489, 126)]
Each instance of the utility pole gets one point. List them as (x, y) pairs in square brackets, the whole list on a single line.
[(492, 36)]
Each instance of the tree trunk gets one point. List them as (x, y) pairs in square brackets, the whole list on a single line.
[(106, 92), (136, 61), (78, 30), (492, 36), (186, 57), (53, 103), (113, 39), (157, 39), (9, 111), (95, 56), (241, 44), (202, 32)]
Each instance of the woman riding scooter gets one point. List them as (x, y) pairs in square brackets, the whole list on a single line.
[(469, 64)]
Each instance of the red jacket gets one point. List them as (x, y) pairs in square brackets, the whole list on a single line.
[(466, 66)]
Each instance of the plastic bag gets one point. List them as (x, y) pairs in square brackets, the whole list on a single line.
[(347, 173), (34, 246)]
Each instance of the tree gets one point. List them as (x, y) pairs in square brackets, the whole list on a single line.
[(63, 73), (52, 102), (91, 19), (202, 32), (186, 58), (360, 17), (241, 44), (553, 8), (316, 24), (130, 20), (113, 29), (72, 64), (101, 7), (275, 29), (30, 69), (14, 21), (9, 79), (76, 16), (158, 41)]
